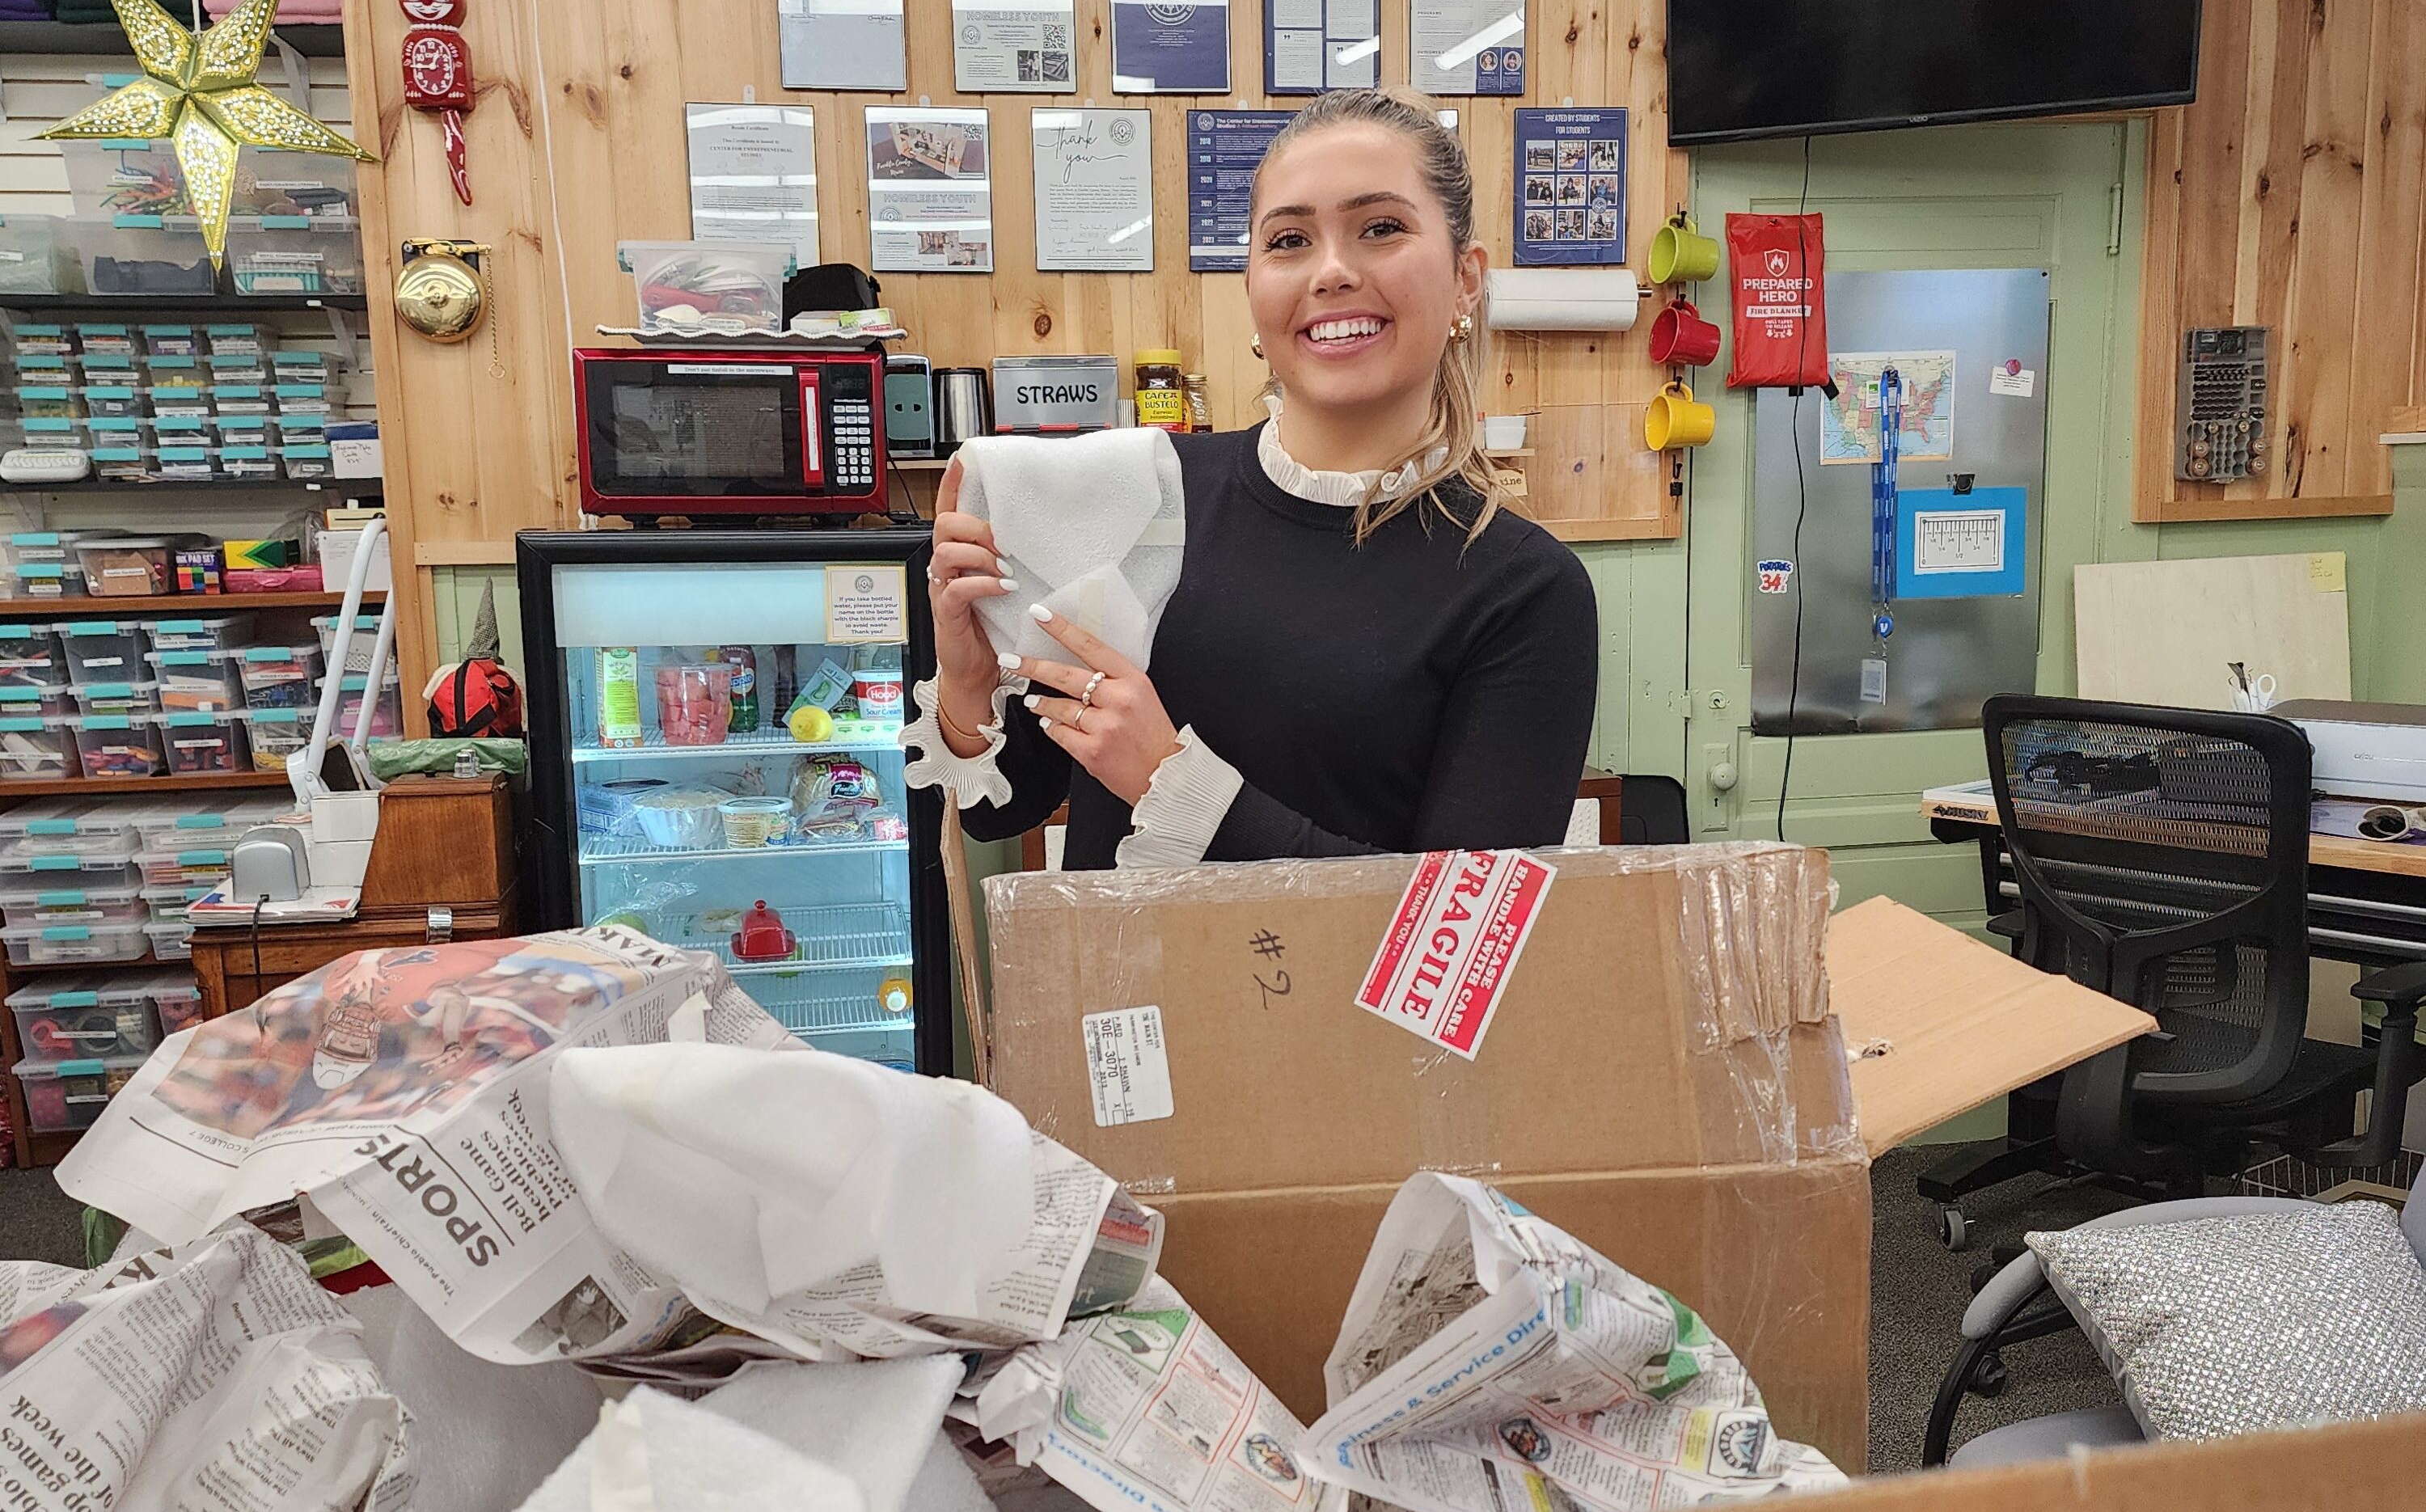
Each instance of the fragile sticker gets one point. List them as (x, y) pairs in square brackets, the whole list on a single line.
[(1127, 1069), (1454, 942), (1774, 575)]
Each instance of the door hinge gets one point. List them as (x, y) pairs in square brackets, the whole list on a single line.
[(1695, 704), (2114, 220)]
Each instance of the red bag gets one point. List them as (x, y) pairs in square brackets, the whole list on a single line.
[(1776, 264)]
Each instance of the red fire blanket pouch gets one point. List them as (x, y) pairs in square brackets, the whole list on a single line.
[(1776, 264)]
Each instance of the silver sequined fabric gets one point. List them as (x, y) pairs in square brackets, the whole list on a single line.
[(2216, 1327)]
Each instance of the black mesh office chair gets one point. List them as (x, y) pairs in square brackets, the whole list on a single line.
[(2162, 858)]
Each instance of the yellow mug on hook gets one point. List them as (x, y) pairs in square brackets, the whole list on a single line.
[(1675, 418), (1681, 254)]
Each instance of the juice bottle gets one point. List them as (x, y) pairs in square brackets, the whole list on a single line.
[(619, 695), (744, 663), (893, 994)]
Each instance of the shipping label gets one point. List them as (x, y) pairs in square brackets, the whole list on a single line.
[(1126, 1067)]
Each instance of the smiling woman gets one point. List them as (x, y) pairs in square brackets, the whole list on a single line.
[(1363, 652)]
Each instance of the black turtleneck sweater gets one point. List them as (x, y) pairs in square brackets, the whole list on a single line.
[(1415, 692)]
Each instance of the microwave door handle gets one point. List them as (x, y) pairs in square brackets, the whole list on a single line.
[(813, 472)]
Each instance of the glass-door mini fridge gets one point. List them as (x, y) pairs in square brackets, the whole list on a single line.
[(714, 762)]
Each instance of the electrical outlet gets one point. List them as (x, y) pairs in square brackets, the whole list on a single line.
[(1719, 778)]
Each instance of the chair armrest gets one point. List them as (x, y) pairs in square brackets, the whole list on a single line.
[(2012, 1288), (2399, 987), (2007, 926)]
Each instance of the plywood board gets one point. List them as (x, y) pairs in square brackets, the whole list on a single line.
[(2162, 632), (1938, 1024)]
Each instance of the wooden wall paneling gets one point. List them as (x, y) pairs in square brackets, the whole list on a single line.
[(480, 437), (2292, 195)]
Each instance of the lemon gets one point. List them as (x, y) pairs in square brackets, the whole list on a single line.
[(811, 724)]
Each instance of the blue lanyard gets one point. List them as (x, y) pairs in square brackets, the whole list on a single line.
[(1883, 505)]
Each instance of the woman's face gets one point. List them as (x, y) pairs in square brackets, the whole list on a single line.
[(1353, 274)]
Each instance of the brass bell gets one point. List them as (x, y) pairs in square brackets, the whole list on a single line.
[(439, 292)]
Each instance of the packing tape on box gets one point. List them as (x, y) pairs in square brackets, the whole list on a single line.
[(1453, 1116)]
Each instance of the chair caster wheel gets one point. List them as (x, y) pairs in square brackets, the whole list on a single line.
[(1952, 1230), (1990, 1381)]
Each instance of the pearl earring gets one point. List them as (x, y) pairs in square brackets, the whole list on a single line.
[(1463, 329)]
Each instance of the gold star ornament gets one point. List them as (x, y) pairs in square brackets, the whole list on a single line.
[(201, 95)]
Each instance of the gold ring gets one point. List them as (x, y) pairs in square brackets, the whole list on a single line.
[(1086, 698), (1078, 717)]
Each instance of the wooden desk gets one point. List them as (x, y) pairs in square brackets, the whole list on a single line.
[(1607, 787), (2367, 901)]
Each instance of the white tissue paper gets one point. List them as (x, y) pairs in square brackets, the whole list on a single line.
[(484, 1435), (842, 1209), (655, 1453), (875, 1421), (1093, 527)]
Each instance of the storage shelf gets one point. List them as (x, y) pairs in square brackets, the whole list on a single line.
[(102, 38), (213, 303), (359, 486), (18, 969), (756, 743), (52, 787), (597, 852), (834, 1016), (181, 605), (837, 937), (917, 464)]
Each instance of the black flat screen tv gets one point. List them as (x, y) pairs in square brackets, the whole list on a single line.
[(1744, 69)]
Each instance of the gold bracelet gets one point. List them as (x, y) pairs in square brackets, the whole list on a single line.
[(951, 728)]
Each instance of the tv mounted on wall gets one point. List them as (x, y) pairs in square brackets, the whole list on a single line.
[(1745, 69)]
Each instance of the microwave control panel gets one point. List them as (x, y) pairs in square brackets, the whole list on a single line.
[(851, 440)]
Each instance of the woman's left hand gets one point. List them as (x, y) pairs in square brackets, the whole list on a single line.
[(1122, 734)]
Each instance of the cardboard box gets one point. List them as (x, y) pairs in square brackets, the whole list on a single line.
[(1662, 1076), (2344, 1467)]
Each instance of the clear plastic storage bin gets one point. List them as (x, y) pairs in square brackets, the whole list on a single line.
[(197, 820), (145, 254), (38, 256), (112, 367), (171, 938), (274, 182), (302, 398), (188, 464), (239, 367), (29, 657), (123, 464), (94, 861), (46, 563), (241, 430), (169, 338), (74, 825), (388, 714), (36, 699), (197, 680), (226, 632), (113, 338), (116, 697), (104, 650), (108, 178), (62, 1095), (102, 908), (189, 863), (358, 650), (179, 429), (277, 735), (46, 344), (296, 255), (169, 904), (240, 399), (190, 371), (49, 401), (176, 998), (236, 338), (255, 462), (305, 460), (117, 430), (179, 404), (302, 365), (37, 748), (65, 945), (204, 742), (115, 401), (728, 287), (67, 431), (84, 1015), (131, 567), (280, 677), (118, 745)]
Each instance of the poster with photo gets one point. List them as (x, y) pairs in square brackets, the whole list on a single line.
[(1314, 45), (1466, 47), (1171, 46), (1223, 147), (1094, 190), (1570, 181), (1002, 46), (930, 190)]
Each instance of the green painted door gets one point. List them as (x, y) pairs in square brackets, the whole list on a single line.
[(2037, 196)]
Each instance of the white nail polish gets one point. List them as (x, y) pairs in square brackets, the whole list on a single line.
[(1007, 662), (1002, 565), (1030, 702), (1042, 723), (1039, 613), (1010, 585)]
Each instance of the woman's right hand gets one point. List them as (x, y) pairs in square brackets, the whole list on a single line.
[(965, 569)]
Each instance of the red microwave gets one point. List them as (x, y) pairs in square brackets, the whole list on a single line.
[(739, 433)]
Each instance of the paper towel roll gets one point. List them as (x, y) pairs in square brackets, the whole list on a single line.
[(1563, 299)]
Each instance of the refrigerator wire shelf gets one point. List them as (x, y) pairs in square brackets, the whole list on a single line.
[(773, 741), (837, 936), (598, 851), (829, 1016)]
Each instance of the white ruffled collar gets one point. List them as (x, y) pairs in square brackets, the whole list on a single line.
[(1344, 490)]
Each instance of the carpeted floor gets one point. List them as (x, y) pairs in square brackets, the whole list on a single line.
[(1917, 1294)]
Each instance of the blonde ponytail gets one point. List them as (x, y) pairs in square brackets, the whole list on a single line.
[(1458, 388)]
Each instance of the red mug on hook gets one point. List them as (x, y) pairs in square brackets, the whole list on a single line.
[(1680, 337)]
